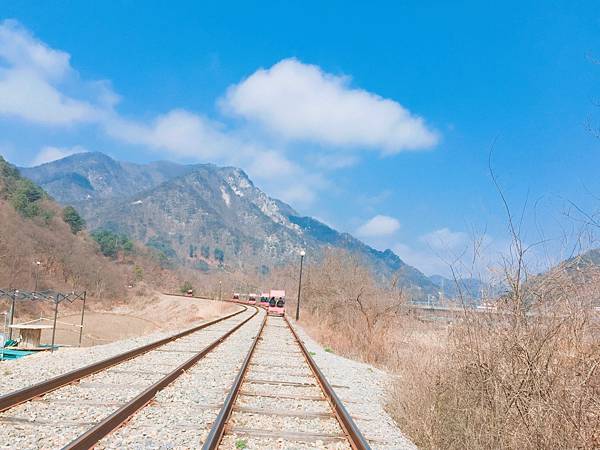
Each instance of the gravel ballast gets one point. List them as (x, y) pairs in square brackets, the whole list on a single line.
[(67, 412), (26, 371), (182, 414), (363, 395), (273, 410)]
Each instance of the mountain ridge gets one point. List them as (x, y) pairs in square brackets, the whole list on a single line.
[(203, 214)]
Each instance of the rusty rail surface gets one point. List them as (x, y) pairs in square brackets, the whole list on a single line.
[(116, 419), (216, 432), (355, 437), (11, 399)]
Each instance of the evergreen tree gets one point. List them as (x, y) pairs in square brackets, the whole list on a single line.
[(72, 217)]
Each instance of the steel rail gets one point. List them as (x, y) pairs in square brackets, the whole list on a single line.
[(216, 431), (116, 419), (356, 438), (12, 399)]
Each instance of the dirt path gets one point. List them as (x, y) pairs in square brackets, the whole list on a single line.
[(140, 316)]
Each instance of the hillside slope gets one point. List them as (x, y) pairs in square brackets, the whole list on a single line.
[(33, 229)]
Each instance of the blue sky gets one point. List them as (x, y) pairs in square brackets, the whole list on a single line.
[(376, 118)]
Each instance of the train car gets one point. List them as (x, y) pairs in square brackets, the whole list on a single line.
[(277, 303), (252, 299), (236, 296), (264, 299)]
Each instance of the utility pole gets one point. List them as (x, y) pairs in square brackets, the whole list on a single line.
[(12, 314), (54, 327), (302, 253)]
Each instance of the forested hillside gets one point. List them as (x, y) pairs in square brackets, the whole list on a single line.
[(35, 230)]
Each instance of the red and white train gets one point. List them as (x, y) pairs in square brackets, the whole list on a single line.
[(276, 303), (273, 301)]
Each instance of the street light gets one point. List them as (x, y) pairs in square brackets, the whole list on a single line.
[(37, 272), (302, 253)]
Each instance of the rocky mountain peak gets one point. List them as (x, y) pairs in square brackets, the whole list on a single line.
[(201, 215)]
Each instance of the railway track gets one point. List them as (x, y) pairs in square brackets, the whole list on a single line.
[(76, 410), (260, 390), (281, 400)]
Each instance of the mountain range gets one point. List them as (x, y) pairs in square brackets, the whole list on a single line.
[(204, 216)]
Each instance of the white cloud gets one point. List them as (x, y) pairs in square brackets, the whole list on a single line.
[(448, 253), (185, 134), (423, 259), (272, 164), (298, 194), (335, 161), (48, 154), (445, 239), (20, 50), (34, 79), (379, 226), (301, 101), (180, 132), (25, 95)]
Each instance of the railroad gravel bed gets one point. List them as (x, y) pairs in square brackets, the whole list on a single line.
[(363, 395), (181, 415), (117, 385), (265, 417), (285, 404), (292, 424), (26, 371), (252, 443)]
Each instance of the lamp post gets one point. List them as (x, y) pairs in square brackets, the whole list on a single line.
[(37, 272), (82, 313), (302, 253)]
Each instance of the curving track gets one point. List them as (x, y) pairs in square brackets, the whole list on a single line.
[(77, 409), (259, 390)]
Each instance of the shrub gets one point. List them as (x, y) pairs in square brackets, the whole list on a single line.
[(205, 251), (202, 265), (72, 217), (186, 286), (111, 243), (219, 255), (505, 380), (162, 245), (138, 273), (525, 375), (25, 198)]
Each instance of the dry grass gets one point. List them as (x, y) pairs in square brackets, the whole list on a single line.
[(73, 262), (525, 376)]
